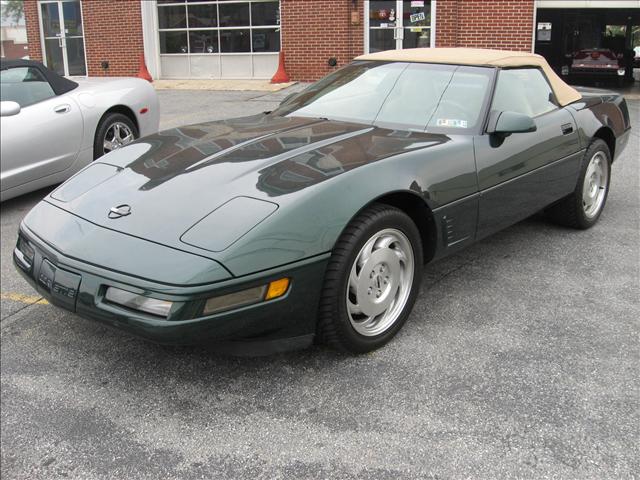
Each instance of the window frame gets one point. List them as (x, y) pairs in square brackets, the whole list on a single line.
[(553, 99), (42, 74), (218, 29)]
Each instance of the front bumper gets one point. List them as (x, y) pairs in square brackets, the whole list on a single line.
[(596, 72), (280, 324)]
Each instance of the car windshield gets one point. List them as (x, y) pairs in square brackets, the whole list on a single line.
[(413, 96)]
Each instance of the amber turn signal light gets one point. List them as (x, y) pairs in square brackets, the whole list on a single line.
[(277, 288)]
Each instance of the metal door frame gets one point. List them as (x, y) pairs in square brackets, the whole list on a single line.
[(399, 14), (63, 37)]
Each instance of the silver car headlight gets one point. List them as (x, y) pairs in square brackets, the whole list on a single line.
[(138, 302)]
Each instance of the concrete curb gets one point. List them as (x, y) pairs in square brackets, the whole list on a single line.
[(221, 85)]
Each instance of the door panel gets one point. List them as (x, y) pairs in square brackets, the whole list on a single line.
[(75, 56), (53, 55), (39, 142), (381, 39), (521, 174), (74, 40)]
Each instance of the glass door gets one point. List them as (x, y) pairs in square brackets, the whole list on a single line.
[(63, 36), (398, 24)]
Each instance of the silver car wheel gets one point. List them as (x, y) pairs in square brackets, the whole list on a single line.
[(594, 187), (117, 135), (380, 282)]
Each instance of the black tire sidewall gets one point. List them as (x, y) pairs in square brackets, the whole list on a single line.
[(108, 120), (385, 217)]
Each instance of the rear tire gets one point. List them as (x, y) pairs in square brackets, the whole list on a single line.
[(583, 207), (371, 282), (114, 131)]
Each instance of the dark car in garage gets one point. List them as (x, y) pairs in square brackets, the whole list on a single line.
[(597, 63)]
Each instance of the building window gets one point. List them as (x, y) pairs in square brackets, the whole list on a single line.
[(218, 26)]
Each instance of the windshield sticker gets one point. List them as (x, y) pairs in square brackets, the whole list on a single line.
[(451, 122)]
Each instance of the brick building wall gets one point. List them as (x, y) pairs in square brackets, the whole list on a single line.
[(12, 50), (33, 29), (314, 31), (501, 24), (112, 32)]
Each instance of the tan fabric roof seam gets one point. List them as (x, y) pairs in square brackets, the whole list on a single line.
[(481, 57)]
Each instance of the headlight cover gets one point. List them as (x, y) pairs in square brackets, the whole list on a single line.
[(229, 222), (138, 302)]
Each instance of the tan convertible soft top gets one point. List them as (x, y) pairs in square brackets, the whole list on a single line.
[(480, 57)]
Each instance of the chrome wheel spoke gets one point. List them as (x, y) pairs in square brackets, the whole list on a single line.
[(354, 308), (366, 251), (108, 146), (594, 187), (353, 277), (402, 257), (117, 135), (380, 282)]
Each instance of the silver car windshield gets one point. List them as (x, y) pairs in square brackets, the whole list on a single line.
[(414, 96)]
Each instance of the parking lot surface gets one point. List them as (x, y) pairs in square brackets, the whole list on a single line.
[(521, 360)]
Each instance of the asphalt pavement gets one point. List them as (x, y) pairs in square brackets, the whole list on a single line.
[(520, 360)]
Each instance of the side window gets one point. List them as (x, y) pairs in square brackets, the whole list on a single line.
[(523, 90), (24, 85)]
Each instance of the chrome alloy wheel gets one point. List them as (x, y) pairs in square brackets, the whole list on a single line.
[(594, 187), (380, 282), (117, 135)]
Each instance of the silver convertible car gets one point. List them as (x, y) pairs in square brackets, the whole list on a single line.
[(51, 126)]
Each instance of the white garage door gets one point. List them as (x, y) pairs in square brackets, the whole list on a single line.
[(218, 39)]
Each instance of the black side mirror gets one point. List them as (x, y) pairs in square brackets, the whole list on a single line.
[(506, 123)]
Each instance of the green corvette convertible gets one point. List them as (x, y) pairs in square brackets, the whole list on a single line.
[(314, 221)]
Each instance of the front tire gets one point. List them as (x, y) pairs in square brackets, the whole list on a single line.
[(583, 207), (372, 280), (114, 131)]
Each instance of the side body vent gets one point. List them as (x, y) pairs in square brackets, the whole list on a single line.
[(450, 235)]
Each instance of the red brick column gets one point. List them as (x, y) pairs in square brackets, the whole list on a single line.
[(33, 29), (314, 31), (112, 32), (501, 24), (446, 23)]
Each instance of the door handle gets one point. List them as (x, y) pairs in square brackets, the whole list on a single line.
[(62, 108), (567, 128)]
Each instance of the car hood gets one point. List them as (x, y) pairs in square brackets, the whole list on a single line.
[(204, 186)]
